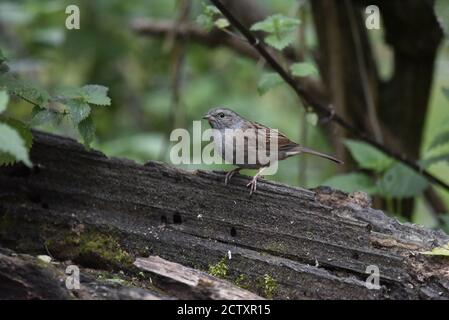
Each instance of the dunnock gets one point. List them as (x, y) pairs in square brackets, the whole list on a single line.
[(229, 135)]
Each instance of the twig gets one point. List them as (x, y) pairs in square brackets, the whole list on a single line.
[(361, 63), (177, 48), (304, 132), (315, 103)]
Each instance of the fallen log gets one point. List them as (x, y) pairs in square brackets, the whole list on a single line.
[(284, 242)]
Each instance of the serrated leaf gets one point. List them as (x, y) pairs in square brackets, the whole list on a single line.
[(24, 90), (78, 110), (438, 251), (12, 145), (441, 9), (367, 156), (66, 93), (24, 132), (86, 129), (276, 24), (222, 23), (2, 56), (352, 182), (312, 118), (401, 182), (40, 116), (303, 69), (268, 81), (441, 139), (96, 94), (4, 99), (280, 41), (280, 30)]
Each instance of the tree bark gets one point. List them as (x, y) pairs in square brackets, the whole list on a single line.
[(102, 213)]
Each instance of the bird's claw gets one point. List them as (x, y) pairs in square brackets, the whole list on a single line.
[(229, 175), (253, 186)]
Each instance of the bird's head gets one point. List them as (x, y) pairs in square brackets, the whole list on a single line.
[(223, 118)]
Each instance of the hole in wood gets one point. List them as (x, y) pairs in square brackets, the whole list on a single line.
[(45, 206), (177, 218), (35, 197), (19, 170), (164, 219), (233, 232)]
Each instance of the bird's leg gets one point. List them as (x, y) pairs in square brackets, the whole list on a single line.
[(230, 174), (253, 182)]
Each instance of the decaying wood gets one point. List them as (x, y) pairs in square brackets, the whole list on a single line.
[(26, 277), (191, 283), (315, 244)]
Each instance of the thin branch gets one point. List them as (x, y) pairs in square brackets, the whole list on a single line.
[(316, 104), (214, 39), (361, 63), (192, 32)]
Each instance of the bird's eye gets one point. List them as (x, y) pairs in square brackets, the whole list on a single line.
[(221, 115)]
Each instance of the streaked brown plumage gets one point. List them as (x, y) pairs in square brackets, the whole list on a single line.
[(222, 119)]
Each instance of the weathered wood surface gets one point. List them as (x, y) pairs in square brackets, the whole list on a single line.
[(26, 277), (189, 283), (315, 244)]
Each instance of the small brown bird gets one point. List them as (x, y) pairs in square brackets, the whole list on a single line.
[(229, 125)]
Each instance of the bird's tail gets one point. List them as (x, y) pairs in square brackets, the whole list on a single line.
[(301, 149)]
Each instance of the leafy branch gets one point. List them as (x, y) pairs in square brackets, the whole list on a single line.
[(74, 103), (324, 110)]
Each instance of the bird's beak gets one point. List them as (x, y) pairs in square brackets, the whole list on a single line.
[(207, 117)]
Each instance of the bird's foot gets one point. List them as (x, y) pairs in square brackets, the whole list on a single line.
[(230, 174), (252, 185)]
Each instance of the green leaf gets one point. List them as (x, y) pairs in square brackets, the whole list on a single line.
[(40, 116), (24, 90), (206, 19), (312, 118), (66, 93), (222, 23), (435, 159), (352, 182), (280, 30), (438, 251), (442, 13), (12, 145), (269, 81), (78, 109), (96, 94), (86, 129), (281, 41), (211, 10), (303, 69), (367, 156), (440, 139), (401, 182), (4, 99), (205, 22), (276, 24)]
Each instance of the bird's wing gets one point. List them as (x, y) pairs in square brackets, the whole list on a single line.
[(283, 142)]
